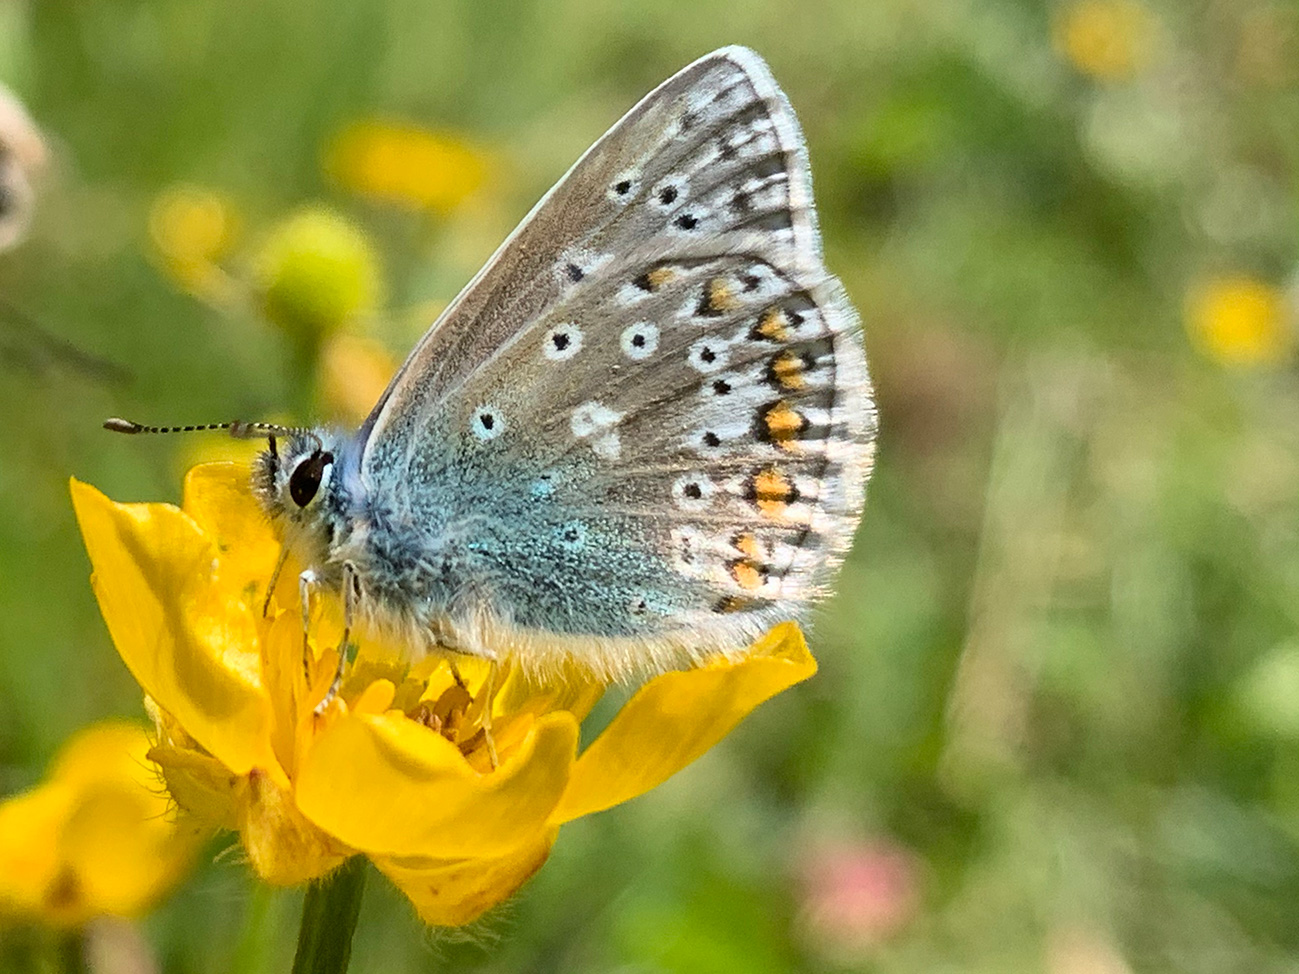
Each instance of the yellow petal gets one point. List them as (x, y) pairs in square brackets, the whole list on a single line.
[(126, 848), (189, 645), (376, 698), (219, 497), (29, 855), (676, 717), (572, 690), (201, 786), (284, 847), (388, 785), (96, 838), (453, 892), (112, 750)]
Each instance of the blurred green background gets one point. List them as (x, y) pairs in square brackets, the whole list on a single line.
[(1056, 726)]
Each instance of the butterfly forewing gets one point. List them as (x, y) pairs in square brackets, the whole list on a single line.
[(651, 410)]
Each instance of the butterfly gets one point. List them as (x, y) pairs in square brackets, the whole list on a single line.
[(641, 435)]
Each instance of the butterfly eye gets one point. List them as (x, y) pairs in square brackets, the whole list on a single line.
[(305, 479)]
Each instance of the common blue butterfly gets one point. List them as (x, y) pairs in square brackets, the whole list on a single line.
[(640, 435)]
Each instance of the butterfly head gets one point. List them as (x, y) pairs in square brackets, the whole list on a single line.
[(292, 478)]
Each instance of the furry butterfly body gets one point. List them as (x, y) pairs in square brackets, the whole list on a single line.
[(640, 435)]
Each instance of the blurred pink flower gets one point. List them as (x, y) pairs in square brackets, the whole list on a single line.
[(856, 894)]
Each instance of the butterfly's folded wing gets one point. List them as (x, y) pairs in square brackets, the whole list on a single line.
[(653, 402)]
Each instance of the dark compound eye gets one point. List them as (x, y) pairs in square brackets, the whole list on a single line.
[(305, 479)]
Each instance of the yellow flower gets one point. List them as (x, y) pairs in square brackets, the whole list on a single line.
[(406, 165), (97, 837), (1239, 321), (192, 229), (354, 371), (316, 271), (1110, 40), (396, 767)]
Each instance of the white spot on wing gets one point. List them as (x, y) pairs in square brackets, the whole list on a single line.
[(624, 186), (487, 423), (693, 491), (596, 421), (575, 265), (707, 355), (707, 442), (562, 342), (607, 446), (592, 416), (640, 340), (667, 193)]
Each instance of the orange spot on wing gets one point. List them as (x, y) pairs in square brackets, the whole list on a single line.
[(787, 369), (773, 325), (746, 544), (772, 491), (783, 424), (659, 276), (719, 297), (748, 575)]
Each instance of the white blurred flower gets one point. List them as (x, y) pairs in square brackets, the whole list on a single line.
[(22, 155)]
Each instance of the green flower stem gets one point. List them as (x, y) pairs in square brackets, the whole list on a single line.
[(71, 948), (253, 952), (329, 919)]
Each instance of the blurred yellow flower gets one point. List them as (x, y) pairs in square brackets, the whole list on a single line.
[(1109, 40), (396, 767), (191, 229), (406, 165), (354, 371), (1239, 321), (316, 271), (97, 837)]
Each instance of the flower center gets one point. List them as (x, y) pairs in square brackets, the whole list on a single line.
[(448, 715)]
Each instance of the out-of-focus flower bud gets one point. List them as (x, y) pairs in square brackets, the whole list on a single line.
[(316, 271)]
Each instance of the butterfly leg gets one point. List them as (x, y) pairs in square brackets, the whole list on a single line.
[(275, 578), (455, 674), (351, 593), (306, 585), (489, 690)]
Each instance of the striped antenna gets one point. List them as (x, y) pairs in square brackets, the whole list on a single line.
[(238, 429)]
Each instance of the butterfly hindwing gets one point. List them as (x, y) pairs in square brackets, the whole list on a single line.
[(653, 403)]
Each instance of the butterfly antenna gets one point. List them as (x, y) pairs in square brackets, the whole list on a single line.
[(238, 429)]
